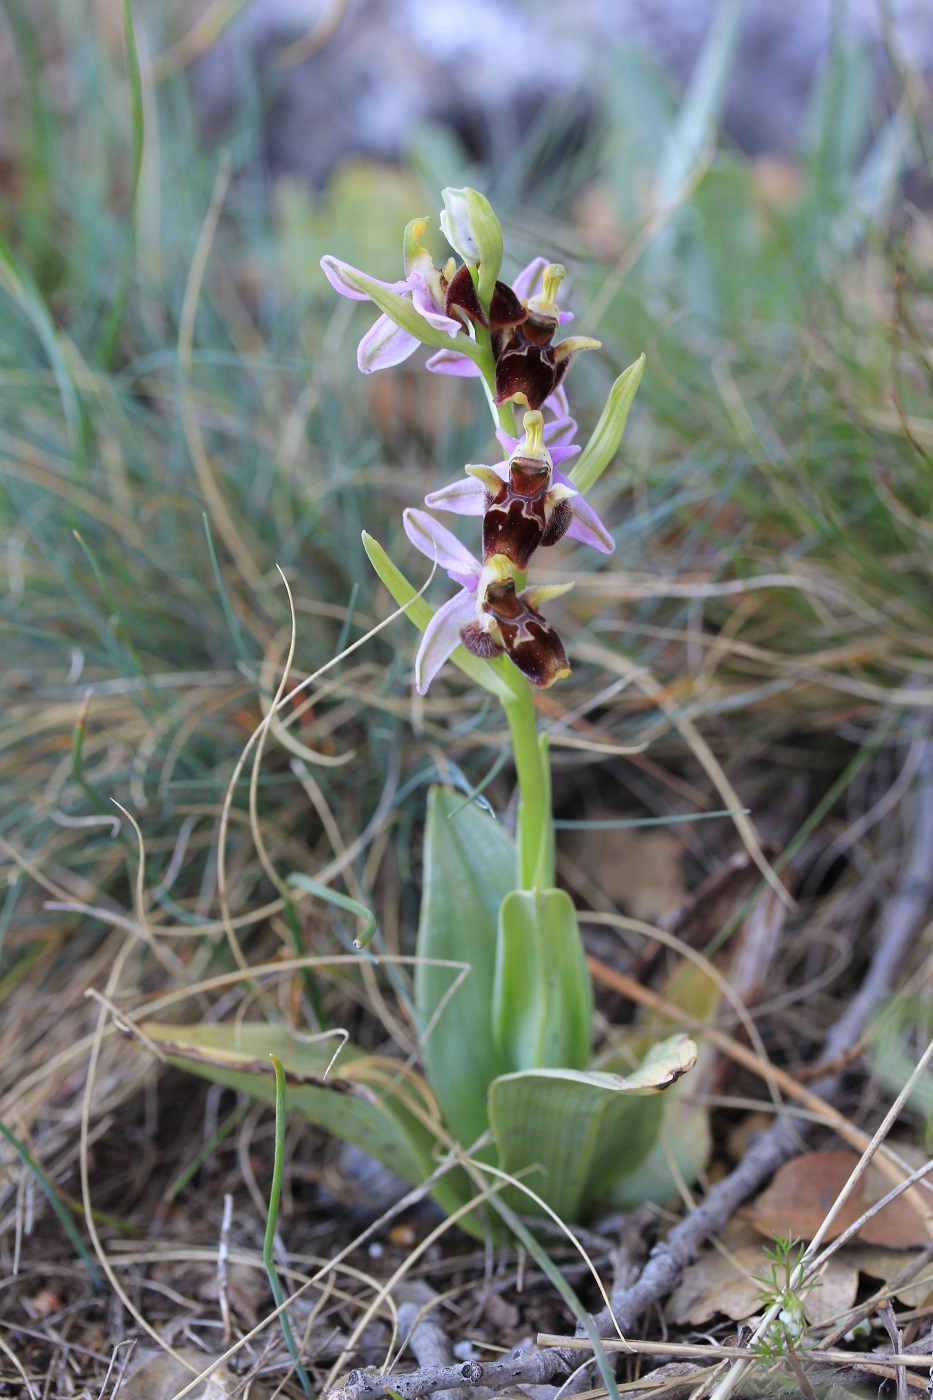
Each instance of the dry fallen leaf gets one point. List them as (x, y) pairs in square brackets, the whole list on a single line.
[(158, 1375), (799, 1197), (720, 1285), (880, 1262)]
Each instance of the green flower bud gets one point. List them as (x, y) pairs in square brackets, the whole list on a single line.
[(472, 229)]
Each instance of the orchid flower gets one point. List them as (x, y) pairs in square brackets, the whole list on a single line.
[(526, 501), (386, 344), (528, 366), (507, 310), (487, 616)]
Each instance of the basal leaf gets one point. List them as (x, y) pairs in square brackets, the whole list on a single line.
[(542, 1009), (469, 868), (583, 1129), (367, 1100)]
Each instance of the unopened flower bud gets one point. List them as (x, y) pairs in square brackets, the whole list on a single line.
[(472, 229)]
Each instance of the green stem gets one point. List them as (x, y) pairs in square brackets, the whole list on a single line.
[(67, 1223), (268, 1248), (535, 823)]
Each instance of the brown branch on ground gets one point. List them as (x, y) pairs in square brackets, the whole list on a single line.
[(900, 918)]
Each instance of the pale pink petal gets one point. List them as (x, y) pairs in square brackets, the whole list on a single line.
[(423, 302), (586, 525), (465, 496), (560, 432), (528, 283), (385, 344), (334, 270), (451, 362), (442, 637), (557, 403), (437, 542)]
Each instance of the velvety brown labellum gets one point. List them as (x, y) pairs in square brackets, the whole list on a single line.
[(461, 296), (533, 371), (517, 519), (529, 639)]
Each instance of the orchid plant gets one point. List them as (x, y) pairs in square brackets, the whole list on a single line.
[(503, 994)]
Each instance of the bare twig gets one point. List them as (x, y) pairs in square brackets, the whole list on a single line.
[(418, 1325)]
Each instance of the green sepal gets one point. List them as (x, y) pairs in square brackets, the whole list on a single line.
[(583, 1130), (399, 309), (491, 675), (469, 869), (604, 442), (542, 1005)]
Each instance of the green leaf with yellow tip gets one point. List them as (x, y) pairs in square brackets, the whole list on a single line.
[(604, 442)]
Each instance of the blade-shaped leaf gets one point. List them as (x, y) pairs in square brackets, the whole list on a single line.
[(469, 868), (542, 1009), (604, 441), (366, 1100), (583, 1129)]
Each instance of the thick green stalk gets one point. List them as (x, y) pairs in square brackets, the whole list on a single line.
[(535, 825)]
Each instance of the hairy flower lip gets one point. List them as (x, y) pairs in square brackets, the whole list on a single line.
[(530, 373), (528, 639), (506, 314), (467, 496)]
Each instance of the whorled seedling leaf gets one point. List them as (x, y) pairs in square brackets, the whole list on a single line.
[(570, 1135)]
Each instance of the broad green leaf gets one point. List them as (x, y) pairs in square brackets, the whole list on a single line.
[(680, 1153), (542, 1008), (584, 1129), (367, 1100), (606, 436), (469, 868)]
